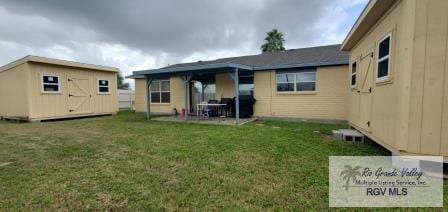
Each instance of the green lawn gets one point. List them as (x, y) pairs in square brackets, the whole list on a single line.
[(123, 162)]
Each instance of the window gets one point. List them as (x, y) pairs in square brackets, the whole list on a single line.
[(353, 75), (382, 73), (50, 84), (160, 91), (103, 86), (296, 82)]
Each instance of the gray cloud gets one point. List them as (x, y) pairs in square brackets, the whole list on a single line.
[(141, 33)]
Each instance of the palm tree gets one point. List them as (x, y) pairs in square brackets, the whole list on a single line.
[(350, 174), (273, 41)]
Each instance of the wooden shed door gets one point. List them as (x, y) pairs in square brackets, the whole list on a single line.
[(365, 90), (79, 95)]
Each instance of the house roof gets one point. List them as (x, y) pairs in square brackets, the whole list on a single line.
[(45, 60), (373, 12), (294, 58)]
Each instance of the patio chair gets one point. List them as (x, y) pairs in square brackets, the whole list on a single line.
[(227, 109), (206, 113), (202, 109)]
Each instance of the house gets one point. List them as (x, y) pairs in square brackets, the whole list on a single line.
[(399, 75), (309, 83), (37, 88)]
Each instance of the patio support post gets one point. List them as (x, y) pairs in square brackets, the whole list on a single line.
[(148, 98), (186, 79), (202, 91), (237, 96)]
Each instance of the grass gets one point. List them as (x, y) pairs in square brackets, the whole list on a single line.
[(125, 163)]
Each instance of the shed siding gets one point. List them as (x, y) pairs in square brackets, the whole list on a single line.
[(328, 102), (428, 127), (385, 100), (13, 91), (409, 113), (177, 97), (56, 105)]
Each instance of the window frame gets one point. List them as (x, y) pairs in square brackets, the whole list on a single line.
[(354, 73), (160, 91), (42, 84), (387, 57), (98, 86), (295, 82)]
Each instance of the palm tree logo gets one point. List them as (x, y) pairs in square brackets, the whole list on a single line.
[(350, 173)]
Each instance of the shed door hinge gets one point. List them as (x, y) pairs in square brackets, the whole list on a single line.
[(368, 123), (70, 95), (71, 110), (370, 90)]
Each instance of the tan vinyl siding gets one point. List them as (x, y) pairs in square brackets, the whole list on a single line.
[(140, 95), (13, 91), (329, 101), (176, 97), (224, 86)]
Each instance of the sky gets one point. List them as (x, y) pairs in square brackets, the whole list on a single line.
[(145, 34)]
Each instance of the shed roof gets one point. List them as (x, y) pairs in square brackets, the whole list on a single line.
[(304, 57), (45, 60), (373, 12)]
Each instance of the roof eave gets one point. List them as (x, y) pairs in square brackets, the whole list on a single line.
[(301, 65), (142, 74), (44, 60), (373, 11), (192, 68)]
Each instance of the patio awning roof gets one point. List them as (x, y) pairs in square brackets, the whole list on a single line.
[(197, 68)]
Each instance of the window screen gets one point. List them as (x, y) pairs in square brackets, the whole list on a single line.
[(160, 91), (296, 81)]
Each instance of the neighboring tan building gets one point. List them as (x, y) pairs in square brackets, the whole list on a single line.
[(310, 83), (37, 88), (399, 75)]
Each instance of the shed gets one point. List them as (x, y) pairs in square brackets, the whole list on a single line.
[(399, 75), (38, 88)]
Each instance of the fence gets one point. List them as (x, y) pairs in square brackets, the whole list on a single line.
[(126, 99)]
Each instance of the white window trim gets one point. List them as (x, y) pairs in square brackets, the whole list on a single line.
[(354, 73), (98, 87), (295, 82), (42, 84), (160, 92), (387, 77)]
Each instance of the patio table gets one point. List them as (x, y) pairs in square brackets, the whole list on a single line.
[(201, 106)]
